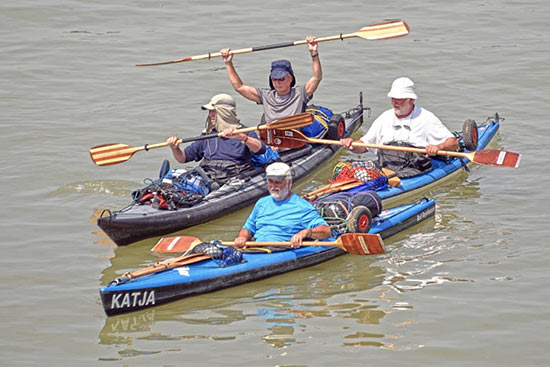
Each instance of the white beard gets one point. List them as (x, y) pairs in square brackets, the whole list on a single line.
[(280, 195)]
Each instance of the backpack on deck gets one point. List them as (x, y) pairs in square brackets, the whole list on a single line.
[(349, 212)]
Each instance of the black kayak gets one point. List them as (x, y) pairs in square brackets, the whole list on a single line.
[(138, 222)]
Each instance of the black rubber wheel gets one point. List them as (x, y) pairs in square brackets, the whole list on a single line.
[(336, 127), (469, 135), (359, 219)]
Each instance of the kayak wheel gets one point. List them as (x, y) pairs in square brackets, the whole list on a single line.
[(469, 135), (359, 219), (336, 127)]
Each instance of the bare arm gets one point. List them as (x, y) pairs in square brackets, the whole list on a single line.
[(179, 154), (243, 236), (313, 83), (251, 143), (246, 91), (318, 233), (449, 144), (346, 143)]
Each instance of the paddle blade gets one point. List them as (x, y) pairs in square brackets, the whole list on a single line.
[(496, 158), (362, 243), (176, 244), (108, 154), (386, 30), (291, 122), (289, 139)]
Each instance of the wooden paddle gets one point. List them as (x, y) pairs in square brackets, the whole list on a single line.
[(295, 139), (354, 243), (160, 266), (380, 31), (109, 154)]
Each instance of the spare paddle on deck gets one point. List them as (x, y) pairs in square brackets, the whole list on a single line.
[(160, 266), (108, 154), (380, 31), (295, 139), (354, 243)]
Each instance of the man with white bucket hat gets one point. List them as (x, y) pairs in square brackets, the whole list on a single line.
[(283, 215), (406, 122)]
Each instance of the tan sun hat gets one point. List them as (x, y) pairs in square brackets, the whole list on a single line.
[(219, 99), (402, 88)]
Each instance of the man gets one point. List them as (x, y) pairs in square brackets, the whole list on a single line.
[(283, 98), (282, 216), (406, 122), (223, 156)]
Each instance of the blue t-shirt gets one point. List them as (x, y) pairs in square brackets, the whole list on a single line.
[(273, 220), (223, 149)]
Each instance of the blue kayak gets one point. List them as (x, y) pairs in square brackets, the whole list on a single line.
[(207, 276)]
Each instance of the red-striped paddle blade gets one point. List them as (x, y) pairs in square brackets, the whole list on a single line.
[(289, 139), (108, 154), (176, 244), (497, 158), (362, 243)]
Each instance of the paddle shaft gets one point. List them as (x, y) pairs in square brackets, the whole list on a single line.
[(386, 30), (109, 154)]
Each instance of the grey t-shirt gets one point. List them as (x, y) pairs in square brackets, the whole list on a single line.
[(277, 106)]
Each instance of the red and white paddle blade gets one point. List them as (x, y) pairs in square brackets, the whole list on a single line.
[(497, 158), (386, 30), (289, 139), (176, 244), (108, 154), (362, 243)]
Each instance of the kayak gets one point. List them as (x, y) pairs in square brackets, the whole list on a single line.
[(207, 276), (137, 222), (442, 169)]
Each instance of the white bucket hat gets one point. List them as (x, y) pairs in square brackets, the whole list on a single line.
[(402, 88), (278, 171)]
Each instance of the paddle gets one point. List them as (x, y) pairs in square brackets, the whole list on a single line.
[(109, 154), (160, 266), (380, 31), (295, 139), (354, 243)]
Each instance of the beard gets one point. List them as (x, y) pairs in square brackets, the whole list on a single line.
[(279, 194)]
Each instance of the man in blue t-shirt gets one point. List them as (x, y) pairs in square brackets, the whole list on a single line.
[(282, 216)]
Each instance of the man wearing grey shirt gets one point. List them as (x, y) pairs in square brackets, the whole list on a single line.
[(283, 98)]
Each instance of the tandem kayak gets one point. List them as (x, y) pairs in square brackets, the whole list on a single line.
[(442, 169), (137, 222), (207, 276)]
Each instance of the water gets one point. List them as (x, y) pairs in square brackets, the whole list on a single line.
[(467, 288)]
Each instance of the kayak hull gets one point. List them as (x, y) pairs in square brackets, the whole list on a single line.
[(207, 276)]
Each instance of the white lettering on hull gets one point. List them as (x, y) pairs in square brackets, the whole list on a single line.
[(425, 214), (133, 299)]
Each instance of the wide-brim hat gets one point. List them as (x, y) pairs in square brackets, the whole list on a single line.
[(402, 88), (219, 99), (278, 171)]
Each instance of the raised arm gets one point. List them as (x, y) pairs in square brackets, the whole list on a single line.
[(246, 91), (313, 83)]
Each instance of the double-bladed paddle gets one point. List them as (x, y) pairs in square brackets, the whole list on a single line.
[(380, 31), (108, 154), (295, 139), (354, 243)]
